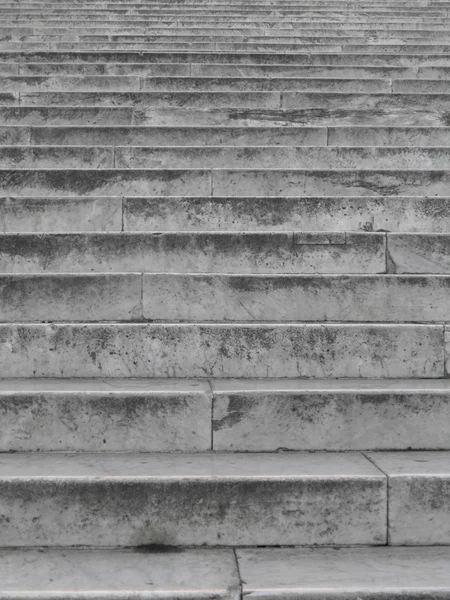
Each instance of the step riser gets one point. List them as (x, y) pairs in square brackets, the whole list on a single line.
[(96, 422), (367, 351), (297, 59), (235, 253), (91, 298), (222, 157), (207, 214), (337, 503), (61, 214), (138, 421), (418, 497), (223, 183), (245, 101), (270, 421), (275, 214), (263, 298), (417, 137), (39, 116)]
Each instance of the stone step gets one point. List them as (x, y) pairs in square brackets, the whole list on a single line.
[(92, 297), (242, 499), (63, 214), (204, 252), (221, 350), (419, 484), (106, 415), (79, 574), (67, 115), (209, 100), (420, 115), (123, 83), (208, 70), (274, 48), (268, 72), (328, 213), (237, 58), (360, 572), (417, 137), (257, 100), (78, 214), (145, 415), (214, 297), (223, 157), (337, 29), (63, 297), (232, 183), (176, 117), (190, 136)]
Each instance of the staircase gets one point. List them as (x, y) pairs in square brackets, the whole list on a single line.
[(225, 282)]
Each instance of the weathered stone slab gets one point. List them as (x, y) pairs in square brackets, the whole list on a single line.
[(345, 182), (191, 499), (88, 574), (199, 100), (419, 496), (177, 136), (60, 214), (65, 115), (238, 252), (338, 415), (222, 350), (331, 213), (104, 182), (86, 297), (276, 574), (17, 157), (117, 415), (418, 253), (345, 298)]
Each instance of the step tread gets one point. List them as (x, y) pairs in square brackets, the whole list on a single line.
[(345, 572), (170, 466), (147, 573)]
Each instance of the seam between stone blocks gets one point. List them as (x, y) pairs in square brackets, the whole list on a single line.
[(211, 395), (388, 524), (142, 296), (238, 569)]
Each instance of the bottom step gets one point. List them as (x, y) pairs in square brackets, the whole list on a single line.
[(367, 573)]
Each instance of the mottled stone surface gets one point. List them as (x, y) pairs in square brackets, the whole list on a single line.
[(104, 182), (392, 298), (247, 499), (104, 416), (344, 182), (418, 253), (240, 252), (60, 214), (221, 350), (176, 136), (419, 496), (71, 297), (281, 214), (92, 574), (335, 415), (351, 572)]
